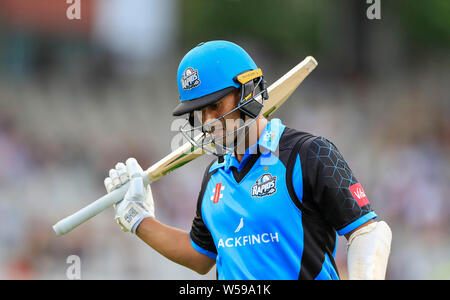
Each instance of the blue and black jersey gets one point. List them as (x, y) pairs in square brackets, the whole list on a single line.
[(277, 213)]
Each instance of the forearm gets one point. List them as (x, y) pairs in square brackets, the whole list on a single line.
[(174, 244)]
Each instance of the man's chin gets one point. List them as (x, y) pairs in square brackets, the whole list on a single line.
[(233, 142)]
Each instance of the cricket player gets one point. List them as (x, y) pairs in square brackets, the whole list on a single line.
[(272, 203)]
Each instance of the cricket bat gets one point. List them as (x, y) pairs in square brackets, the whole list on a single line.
[(278, 92)]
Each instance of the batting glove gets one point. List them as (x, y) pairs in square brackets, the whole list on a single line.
[(138, 201)]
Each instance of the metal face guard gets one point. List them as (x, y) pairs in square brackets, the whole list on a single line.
[(248, 106)]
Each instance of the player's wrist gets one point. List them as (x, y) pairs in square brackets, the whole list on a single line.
[(129, 214), (148, 224), (142, 220)]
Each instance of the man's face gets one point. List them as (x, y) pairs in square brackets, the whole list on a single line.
[(222, 130)]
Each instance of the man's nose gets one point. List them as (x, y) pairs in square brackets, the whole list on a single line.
[(211, 123)]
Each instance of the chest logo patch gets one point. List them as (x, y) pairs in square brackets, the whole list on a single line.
[(264, 186)]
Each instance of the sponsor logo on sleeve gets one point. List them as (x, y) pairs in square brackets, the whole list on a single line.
[(359, 194)]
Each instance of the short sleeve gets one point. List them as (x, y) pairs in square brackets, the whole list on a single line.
[(201, 238), (335, 190)]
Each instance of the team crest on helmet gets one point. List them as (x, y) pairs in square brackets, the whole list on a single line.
[(264, 186), (190, 79)]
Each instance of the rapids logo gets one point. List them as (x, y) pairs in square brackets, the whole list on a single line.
[(264, 186), (190, 79)]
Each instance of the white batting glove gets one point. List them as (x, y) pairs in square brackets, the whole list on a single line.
[(138, 201)]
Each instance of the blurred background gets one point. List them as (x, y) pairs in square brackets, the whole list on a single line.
[(77, 96)]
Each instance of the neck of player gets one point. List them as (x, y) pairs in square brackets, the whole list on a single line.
[(258, 126)]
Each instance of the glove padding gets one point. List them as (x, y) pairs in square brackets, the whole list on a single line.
[(138, 201)]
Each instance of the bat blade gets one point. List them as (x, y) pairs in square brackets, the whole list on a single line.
[(281, 89), (278, 92)]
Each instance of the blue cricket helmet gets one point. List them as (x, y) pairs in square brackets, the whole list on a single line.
[(207, 73)]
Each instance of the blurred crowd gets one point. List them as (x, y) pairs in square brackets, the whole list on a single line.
[(71, 106)]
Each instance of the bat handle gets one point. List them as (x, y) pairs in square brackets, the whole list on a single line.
[(67, 224)]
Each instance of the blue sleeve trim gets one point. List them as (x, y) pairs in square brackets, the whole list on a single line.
[(357, 223), (203, 251)]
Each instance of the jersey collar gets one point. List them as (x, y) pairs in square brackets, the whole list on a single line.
[(269, 140)]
